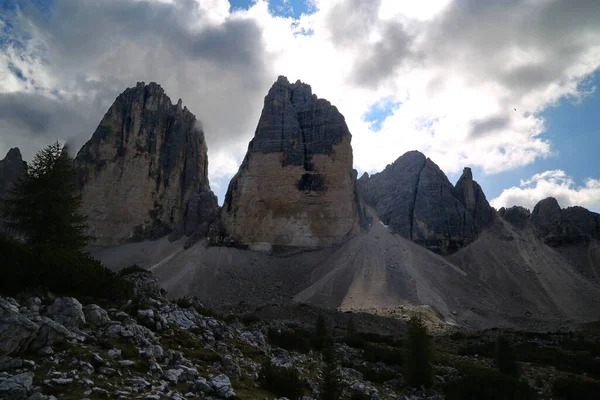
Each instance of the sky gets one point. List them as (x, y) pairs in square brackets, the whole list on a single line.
[(507, 88)]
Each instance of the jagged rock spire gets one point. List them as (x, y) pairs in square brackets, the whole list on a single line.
[(296, 185), (144, 171)]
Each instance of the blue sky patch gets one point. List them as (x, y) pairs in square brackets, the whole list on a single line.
[(574, 130), (280, 8), (379, 111), (16, 71)]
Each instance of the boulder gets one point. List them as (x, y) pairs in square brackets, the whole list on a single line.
[(96, 316), (7, 363), (16, 331), (222, 386), (68, 312), (145, 285), (51, 333), (17, 387)]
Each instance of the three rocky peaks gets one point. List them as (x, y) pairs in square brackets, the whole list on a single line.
[(144, 174)]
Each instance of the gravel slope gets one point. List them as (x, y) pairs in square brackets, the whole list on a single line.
[(508, 277)]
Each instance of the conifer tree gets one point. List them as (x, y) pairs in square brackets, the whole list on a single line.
[(506, 360), (43, 207)]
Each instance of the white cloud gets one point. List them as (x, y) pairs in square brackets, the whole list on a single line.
[(555, 184), (459, 67)]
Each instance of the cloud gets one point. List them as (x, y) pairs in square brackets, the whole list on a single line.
[(83, 53), (383, 57), (555, 183), (458, 67), (488, 125)]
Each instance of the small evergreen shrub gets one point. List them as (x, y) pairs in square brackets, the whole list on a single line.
[(250, 319), (382, 353), (290, 339), (284, 382), (184, 302), (321, 333), (331, 387), (489, 384), (418, 354), (354, 341), (506, 359), (358, 395), (575, 389), (64, 272), (539, 381), (132, 270), (484, 349)]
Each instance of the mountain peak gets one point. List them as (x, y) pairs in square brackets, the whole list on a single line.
[(296, 186), (151, 155), (11, 167), (467, 174), (14, 154), (415, 198), (545, 206)]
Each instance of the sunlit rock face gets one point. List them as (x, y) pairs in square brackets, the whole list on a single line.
[(143, 174), (296, 186)]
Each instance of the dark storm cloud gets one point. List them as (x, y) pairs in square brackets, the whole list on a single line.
[(489, 125), (97, 49), (352, 21), (30, 120), (80, 29), (475, 36), (382, 59), (549, 37)]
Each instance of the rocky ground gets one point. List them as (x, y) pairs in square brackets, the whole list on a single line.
[(152, 348)]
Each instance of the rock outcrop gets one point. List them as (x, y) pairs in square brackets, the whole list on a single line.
[(472, 197), (11, 167), (143, 174), (296, 186), (564, 226), (516, 215), (571, 225), (416, 199)]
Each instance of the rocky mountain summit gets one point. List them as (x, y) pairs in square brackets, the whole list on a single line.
[(143, 174), (296, 185), (556, 226), (564, 226), (415, 198), (11, 167)]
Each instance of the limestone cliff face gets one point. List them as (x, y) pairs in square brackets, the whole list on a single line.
[(11, 167), (296, 186), (143, 173), (416, 199)]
